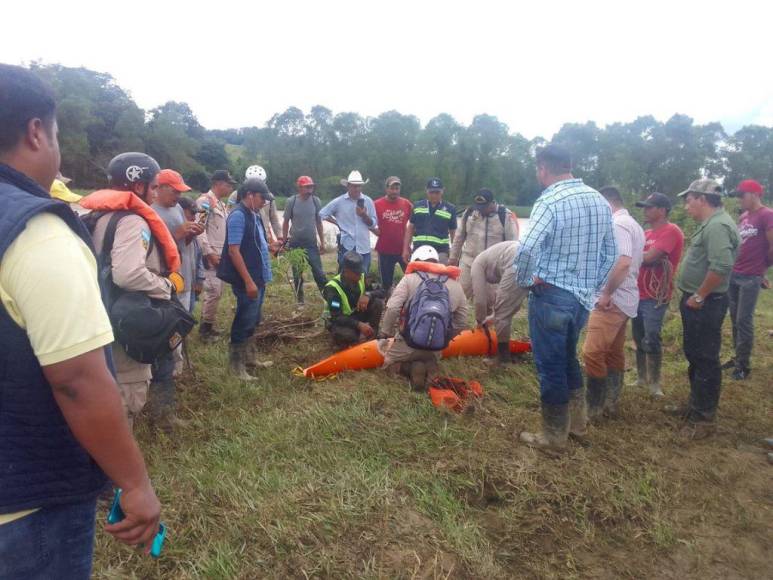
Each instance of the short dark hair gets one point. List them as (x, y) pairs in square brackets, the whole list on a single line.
[(611, 193), (555, 159), (23, 97), (711, 199)]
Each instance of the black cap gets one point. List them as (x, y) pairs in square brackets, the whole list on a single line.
[(483, 198), (353, 262), (255, 185), (223, 175), (656, 200), (434, 184)]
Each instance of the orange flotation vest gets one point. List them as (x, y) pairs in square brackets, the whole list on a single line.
[(114, 200), (434, 268), (452, 393)]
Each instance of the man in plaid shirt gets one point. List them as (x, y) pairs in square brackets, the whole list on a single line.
[(564, 259)]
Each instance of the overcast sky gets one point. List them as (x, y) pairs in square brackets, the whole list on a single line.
[(534, 65)]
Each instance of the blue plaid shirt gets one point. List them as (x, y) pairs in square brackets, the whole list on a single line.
[(570, 243)]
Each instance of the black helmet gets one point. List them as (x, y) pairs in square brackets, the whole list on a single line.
[(126, 169)]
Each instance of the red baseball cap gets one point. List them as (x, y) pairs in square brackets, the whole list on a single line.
[(172, 178), (304, 180), (749, 186)]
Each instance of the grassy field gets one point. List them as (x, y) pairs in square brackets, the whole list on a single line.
[(357, 477)]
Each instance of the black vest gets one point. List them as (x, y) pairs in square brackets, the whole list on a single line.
[(249, 249), (41, 463)]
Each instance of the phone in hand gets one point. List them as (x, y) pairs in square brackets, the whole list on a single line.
[(116, 514), (360, 202)]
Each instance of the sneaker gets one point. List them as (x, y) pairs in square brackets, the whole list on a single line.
[(741, 374), (728, 365)]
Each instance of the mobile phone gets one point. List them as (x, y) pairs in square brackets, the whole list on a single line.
[(360, 202), (116, 514)]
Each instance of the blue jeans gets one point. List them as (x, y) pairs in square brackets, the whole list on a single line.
[(556, 319), (365, 260), (315, 263), (647, 327), (743, 293), (386, 267), (55, 542), (247, 315)]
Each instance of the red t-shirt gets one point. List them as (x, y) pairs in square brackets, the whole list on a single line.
[(753, 254), (669, 239), (392, 219)]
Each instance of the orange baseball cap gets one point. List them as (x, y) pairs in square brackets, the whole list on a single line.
[(172, 178)]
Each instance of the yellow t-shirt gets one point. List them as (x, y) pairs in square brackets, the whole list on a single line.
[(48, 286)]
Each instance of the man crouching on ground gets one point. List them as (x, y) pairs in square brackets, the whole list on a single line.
[(351, 309), (399, 356)]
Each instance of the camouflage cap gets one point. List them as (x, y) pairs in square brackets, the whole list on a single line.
[(703, 187)]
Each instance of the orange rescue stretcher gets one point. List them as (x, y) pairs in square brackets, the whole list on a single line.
[(366, 355)]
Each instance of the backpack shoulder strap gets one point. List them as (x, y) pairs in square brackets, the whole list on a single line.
[(317, 204)]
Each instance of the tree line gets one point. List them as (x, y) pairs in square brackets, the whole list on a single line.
[(98, 119)]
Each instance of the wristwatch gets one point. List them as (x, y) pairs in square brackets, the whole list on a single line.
[(698, 299)]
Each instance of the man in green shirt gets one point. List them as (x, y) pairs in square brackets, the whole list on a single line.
[(704, 278)]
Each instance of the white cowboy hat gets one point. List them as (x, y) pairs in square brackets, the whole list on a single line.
[(355, 178)]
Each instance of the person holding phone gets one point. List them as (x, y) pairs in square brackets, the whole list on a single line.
[(63, 423), (355, 215)]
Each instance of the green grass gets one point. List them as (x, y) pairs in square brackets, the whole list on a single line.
[(357, 477)]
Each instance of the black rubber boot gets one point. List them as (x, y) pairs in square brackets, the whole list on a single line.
[(578, 413), (654, 363), (596, 396), (642, 377), (503, 354), (237, 354), (555, 429), (418, 376), (614, 389)]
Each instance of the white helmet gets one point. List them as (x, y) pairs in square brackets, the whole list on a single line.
[(256, 171), (425, 254)]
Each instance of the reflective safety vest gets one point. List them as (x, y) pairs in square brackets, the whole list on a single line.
[(432, 227), (346, 308)]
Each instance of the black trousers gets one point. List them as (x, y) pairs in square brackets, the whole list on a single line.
[(702, 339), (345, 336)]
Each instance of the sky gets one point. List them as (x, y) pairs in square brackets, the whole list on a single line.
[(533, 65)]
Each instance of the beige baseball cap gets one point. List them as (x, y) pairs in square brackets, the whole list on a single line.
[(703, 187)]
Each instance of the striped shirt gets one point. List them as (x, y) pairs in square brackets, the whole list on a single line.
[(570, 243), (630, 242)]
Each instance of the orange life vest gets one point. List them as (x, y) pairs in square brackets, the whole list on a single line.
[(114, 200)]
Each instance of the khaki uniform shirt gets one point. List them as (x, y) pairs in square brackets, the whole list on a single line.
[(494, 266), (476, 233), (137, 271), (212, 239)]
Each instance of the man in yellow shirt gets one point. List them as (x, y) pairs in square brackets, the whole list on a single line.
[(62, 423)]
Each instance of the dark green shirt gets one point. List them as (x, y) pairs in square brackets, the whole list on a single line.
[(713, 247)]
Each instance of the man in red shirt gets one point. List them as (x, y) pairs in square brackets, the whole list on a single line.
[(393, 213), (755, 228), (663, 246)]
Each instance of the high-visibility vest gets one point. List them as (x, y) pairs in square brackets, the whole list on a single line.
[(346, 308)]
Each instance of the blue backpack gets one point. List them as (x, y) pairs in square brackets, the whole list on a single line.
[(427, 322)]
